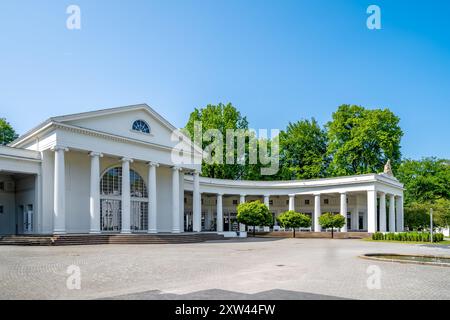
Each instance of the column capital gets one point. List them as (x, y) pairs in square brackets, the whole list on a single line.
[(317, 194), (125, 159), (196, 172), (381, 193), (242, 195), (220, 194), (60, 148), (268, 195), (177, 168), (96, 154), (343, 193), (153, 164), (292, 195)]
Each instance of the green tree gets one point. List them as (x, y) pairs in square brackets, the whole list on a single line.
[(417, 216), (331, 221), (425, 180), (441, 209), (362, 141), (292, 219), (303, 151), (254, 214), (7, 133), (221, 117)]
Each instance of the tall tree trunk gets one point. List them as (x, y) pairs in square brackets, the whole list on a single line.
[(294, 232), (254, 231), (332, 233)]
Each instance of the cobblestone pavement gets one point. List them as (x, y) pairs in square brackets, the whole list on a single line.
[(233, 269)]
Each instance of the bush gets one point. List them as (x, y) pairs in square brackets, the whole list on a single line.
[(292, 219), (254, 214), (408, 236)]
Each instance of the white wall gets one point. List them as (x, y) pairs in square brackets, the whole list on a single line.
[(7, 200), (78, 169)]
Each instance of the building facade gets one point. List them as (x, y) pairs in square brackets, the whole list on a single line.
[(128, 170)]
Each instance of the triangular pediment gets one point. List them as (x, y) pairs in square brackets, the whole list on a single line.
[(119, 122)]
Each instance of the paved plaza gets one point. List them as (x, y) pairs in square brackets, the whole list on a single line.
[(232, 269)]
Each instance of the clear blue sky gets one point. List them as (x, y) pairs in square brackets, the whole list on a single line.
[(276, 61)]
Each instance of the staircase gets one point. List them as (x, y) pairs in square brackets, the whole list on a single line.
[(79, 240)]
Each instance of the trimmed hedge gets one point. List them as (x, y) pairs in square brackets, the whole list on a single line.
[(408, 236)]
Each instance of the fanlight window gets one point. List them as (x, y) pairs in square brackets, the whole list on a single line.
[(141, 126), (111, 184)]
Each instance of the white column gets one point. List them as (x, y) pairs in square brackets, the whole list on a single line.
[(371, 211), (176, 200), (219, 213), (182, 201), (399, 205), (292, 202), (267, 201), (317, 213), (126, 196), (197, 204), (152, 198), (59, 199), (382, 212), (344, 210), (355, 215), (242, 200), (392, 213), (94, 204)]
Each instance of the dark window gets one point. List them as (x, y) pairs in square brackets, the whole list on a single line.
[(1, 209), (326, 201), (235, 202), (271, 202), (2, 186), (287, 201), (185, 200), (141, 126), (307, 202)]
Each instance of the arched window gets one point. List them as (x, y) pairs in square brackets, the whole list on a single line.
[(141, 126), (111, 201)]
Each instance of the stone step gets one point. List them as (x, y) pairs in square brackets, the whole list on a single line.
[(73, 240)]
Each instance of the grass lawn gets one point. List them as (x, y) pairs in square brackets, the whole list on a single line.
[(442, 243)]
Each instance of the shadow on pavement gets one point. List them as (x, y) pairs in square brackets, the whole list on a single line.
[(217, 294)]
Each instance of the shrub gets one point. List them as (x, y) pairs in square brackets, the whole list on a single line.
[(254, 214), (408, 236), (292, 219), (329, 220)]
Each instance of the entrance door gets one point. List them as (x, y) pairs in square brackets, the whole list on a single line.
[(28, 219), (111, 215)]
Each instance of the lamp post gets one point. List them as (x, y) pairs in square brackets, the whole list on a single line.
[(431, 225)]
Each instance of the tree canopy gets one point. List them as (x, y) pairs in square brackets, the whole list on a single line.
[(362, 141), (254, 214), (7, 133), (303, 151), (292, 219), (220, 117), (331, 221), (425, 180)]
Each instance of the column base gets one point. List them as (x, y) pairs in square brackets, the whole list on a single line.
[(59, 232), (176, 231), (152, 231), (125, 232), (95, 232)]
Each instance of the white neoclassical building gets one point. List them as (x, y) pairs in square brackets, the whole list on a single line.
[(112, 171)]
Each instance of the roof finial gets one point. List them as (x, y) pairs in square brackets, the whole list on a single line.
[(388, 169)]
